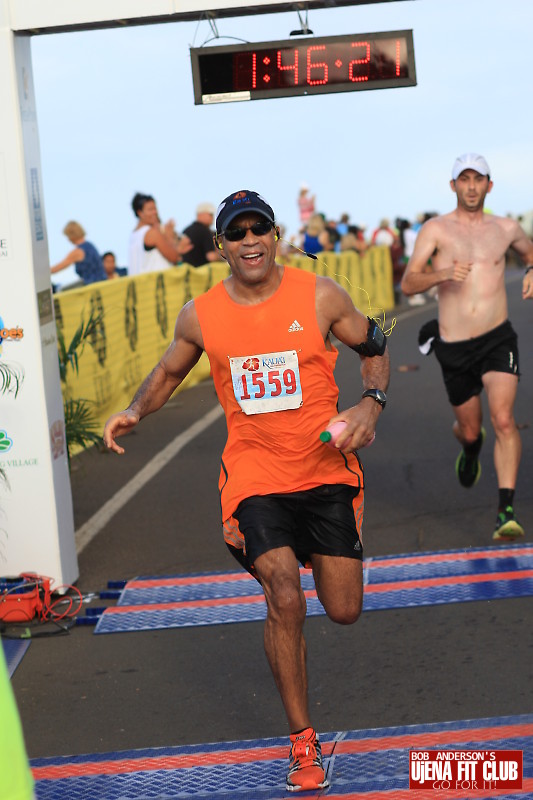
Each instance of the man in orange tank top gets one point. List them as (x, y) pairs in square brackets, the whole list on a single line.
[(286, 496)]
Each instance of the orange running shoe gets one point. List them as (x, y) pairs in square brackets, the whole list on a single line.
[(305, 762)]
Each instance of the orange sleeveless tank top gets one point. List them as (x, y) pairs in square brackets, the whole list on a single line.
[(273, 375)]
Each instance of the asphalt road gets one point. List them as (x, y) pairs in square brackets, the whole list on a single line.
[(86, 693)]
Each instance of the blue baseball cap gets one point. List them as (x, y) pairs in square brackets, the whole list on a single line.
[(241, 202)]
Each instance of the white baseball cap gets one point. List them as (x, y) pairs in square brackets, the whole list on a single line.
[(470, 161), (205, 208)]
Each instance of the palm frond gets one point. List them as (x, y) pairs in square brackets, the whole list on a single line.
[(11, 378), (69, 356), (81, 426)]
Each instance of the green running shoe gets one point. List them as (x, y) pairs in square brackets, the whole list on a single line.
[(507, 526), (468, 468)]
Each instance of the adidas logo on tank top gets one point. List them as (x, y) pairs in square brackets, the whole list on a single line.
[(295, 327)]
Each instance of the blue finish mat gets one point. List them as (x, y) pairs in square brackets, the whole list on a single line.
[(453, 576), (361, 765), (14, 651)]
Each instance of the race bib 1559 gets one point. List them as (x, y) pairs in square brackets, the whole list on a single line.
[(267, 382)]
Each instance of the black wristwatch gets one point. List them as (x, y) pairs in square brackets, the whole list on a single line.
[(378, 395)]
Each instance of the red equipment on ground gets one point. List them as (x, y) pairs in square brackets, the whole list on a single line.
[(24, 597)]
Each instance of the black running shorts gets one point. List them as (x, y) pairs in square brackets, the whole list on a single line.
[(464, 363), (325, 520)]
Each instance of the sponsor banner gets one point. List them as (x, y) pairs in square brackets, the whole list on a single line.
[(44, 304), (10, 333), (37, 534), (367, 278), (466, 770), (58, 439), (6, 443), (6, 242), (12, 372), (135, 325)]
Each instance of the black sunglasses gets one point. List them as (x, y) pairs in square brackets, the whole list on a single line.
[(258, 229)]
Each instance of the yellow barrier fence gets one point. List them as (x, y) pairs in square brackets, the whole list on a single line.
[(367, 279), (137, 317)]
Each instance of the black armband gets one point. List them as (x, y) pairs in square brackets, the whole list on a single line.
[(528, 269), (376, 341)]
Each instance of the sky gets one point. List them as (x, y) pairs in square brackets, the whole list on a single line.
[(116, 116)]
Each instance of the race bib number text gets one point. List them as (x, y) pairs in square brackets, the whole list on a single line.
[(267, 382)]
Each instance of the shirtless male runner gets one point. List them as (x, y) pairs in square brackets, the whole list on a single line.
[(286, 497), (473, 339)]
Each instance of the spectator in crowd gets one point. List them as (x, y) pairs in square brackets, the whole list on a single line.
[(334, 236), (423, 217), (84, 257), (399, 260), (284, 248), (360, 230), (316, 238), (200, 235), (408, 238), (110, 266), (153, 246), (343, 225), (353, 240), (417, 224), (384, 235), (306, 204), (354, 236)]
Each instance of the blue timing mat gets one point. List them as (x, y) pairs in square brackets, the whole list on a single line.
[(454, 576), (14, 651), (360, 765)]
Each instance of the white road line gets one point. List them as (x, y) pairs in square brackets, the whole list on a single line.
[(94, 525)]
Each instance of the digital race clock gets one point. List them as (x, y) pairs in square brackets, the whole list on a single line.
[(315, 65)]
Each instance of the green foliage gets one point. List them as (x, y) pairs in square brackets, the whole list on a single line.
[(69, 356), (81, 425)]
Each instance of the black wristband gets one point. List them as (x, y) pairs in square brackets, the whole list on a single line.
[(528, 269)]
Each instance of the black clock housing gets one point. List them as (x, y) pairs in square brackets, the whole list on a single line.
[(314, 65)]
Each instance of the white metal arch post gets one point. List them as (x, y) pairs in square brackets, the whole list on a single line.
[(36, 516), (36, 519)]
